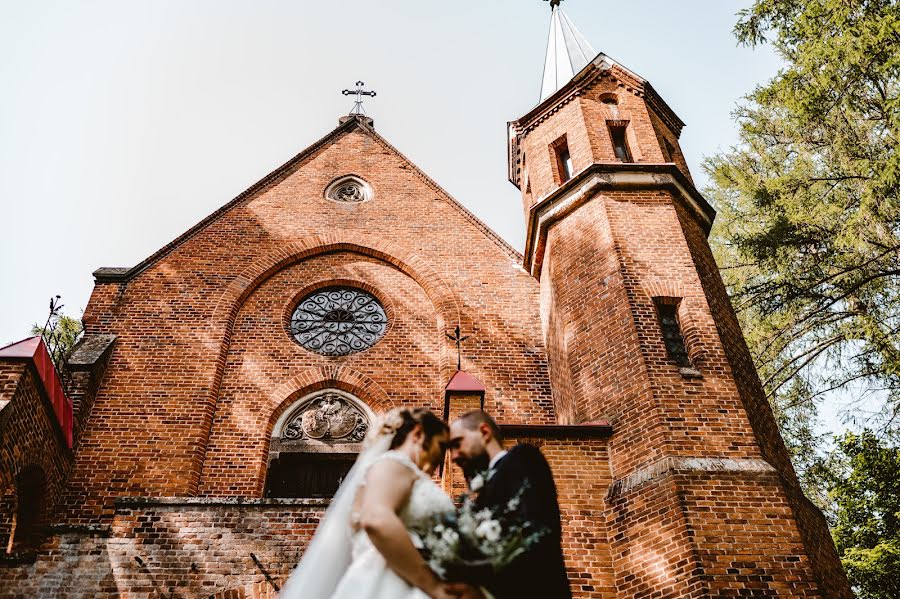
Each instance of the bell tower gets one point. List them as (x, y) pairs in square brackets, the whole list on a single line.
[(640, 331)]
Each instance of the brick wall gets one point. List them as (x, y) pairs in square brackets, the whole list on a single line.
[(201, 547), (31, 446), (87, 367), (582, 475), (812, 525), (202, 350), (176, 548)]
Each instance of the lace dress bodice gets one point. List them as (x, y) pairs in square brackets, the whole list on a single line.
[(360, 571), (426, 501)]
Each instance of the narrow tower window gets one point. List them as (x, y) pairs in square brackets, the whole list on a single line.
[(672, 335), (617, 132), (564, 165)]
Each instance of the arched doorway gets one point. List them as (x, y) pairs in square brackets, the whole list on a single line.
[(30, 515), (314, 444)]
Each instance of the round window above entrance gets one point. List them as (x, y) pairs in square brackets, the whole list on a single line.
[(338, 321)]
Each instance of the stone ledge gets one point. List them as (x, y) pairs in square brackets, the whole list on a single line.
[(202, 502), (668, 466), (111, 274), (90, 350)]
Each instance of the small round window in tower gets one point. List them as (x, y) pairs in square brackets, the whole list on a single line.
[(338, 321), (349, 189), (609, 99)]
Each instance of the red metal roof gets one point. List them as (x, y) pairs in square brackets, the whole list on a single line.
[(34, 350), (463, 381)]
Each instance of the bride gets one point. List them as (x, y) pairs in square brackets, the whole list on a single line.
[(362, 549)]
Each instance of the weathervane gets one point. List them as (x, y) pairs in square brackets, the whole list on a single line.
[(358, 107), (456, 337)]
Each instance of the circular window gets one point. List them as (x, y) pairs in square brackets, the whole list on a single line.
[(348, 189), (338, 321)]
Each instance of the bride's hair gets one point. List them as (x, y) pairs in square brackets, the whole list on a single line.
[(398, 422)]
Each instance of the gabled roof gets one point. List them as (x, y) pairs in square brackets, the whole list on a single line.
[(347, 124)]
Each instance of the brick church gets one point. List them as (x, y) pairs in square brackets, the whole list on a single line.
[(223, 385)]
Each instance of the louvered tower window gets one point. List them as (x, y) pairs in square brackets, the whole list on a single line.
[(564, 166), (617, 132), (672, 335)]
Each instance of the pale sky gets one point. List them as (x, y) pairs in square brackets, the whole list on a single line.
[(123, 123)]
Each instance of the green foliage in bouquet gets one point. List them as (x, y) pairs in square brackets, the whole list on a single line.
[(473, 544)]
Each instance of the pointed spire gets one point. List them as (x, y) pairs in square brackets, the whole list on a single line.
[(567, 52)]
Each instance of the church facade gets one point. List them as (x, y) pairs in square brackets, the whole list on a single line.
[(224, 383)]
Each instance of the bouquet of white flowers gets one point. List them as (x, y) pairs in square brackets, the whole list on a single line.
[(473, 544)]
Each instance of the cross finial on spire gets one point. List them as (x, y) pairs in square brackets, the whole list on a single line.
[(554, 3), (357, 106), (456, 337)]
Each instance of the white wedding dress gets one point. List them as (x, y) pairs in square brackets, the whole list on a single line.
[(344, 564), (369, 576)]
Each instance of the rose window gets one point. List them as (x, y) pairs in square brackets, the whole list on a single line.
[(348, 189), (338, 321)]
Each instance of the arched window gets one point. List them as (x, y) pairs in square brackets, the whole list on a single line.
[(30, 516), (315, 443)]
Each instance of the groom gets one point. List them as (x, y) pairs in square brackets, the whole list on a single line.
[(476, 445)]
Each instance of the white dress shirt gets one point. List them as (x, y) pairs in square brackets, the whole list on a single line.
[(494, 461)]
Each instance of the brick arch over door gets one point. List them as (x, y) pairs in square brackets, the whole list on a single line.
[(327, 377)]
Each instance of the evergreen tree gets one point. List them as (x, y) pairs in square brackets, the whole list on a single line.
[(808, 230), (865, 486)]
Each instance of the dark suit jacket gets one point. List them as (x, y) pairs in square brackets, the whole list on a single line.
[(539, 573)]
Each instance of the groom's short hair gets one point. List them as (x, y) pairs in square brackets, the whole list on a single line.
[(475, 418)]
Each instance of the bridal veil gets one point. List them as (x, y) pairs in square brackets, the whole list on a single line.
[(328, 555)]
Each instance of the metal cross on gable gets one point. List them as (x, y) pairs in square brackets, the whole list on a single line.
[(360, 92), (456, 337)]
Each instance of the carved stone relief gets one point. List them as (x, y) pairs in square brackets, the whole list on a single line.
[(328, 418)]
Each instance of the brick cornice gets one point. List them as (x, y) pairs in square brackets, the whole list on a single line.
[(669, 466), (615, 176), (602, 66)]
